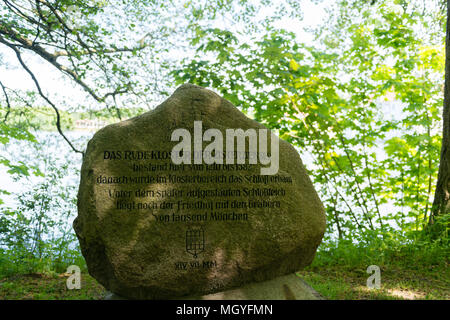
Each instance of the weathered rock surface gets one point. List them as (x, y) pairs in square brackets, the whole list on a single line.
[(133, 206)]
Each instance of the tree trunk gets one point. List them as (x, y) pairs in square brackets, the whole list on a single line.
[(441, 203)]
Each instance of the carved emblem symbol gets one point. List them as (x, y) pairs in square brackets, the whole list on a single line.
[(195, 241)]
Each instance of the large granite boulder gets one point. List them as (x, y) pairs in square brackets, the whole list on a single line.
[(152, 229)]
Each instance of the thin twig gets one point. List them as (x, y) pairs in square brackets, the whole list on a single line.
[(38, 87), (8, 104)]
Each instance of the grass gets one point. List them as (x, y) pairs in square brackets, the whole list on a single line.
[(37, 286), (408, 272), (396, 284), (332, 283), (338, 272)]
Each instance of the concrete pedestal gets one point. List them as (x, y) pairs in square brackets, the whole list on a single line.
[(290, 287)]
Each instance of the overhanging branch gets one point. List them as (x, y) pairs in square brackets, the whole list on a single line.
[(52, 59), (41, 93)]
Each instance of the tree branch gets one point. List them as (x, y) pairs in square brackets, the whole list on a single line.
[(8, 104), (41, 93), (65, 53), (52, 57)]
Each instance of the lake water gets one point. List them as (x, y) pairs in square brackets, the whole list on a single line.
[(52, 151)]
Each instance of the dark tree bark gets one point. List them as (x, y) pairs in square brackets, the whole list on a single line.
[(441, 203)]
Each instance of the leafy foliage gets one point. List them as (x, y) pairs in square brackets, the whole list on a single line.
[(36, 234), (363, 107)]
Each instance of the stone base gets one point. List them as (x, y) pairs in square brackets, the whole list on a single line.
[(290, 287)]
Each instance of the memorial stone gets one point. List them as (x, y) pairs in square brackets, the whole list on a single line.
[(170, 204)]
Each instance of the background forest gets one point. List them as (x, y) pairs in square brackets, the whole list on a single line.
[(356, 86)]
